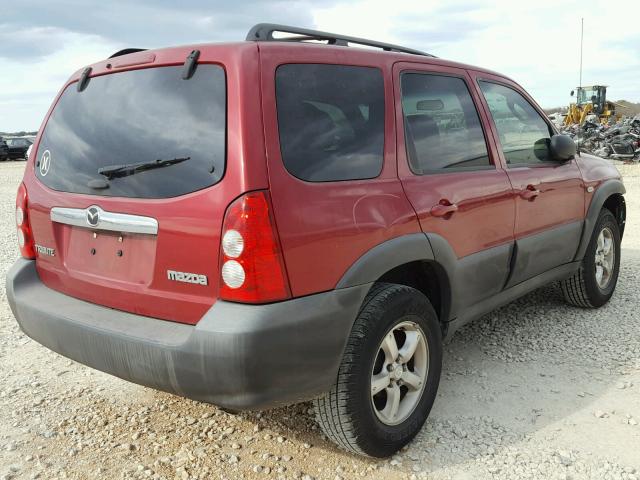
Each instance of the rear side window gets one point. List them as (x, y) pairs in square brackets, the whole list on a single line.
[(524, 135), (442, 127), (331, 121), (135, 117)]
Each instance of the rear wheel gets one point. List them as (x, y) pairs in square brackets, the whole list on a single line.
[(389, 375), (594, 283)]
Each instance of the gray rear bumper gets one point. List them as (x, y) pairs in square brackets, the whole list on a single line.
[(237, 356)]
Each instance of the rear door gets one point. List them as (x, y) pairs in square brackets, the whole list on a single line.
[(452, 178), (549, 194)]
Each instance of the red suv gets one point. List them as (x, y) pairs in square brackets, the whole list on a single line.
[(290, 218)]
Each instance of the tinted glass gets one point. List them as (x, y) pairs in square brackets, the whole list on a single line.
[(524, 135), (442, 127), (139, 116), (331, 121)]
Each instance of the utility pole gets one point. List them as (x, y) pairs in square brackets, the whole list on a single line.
[(581, 40)]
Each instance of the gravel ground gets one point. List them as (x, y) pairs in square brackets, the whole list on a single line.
[(536, 389)]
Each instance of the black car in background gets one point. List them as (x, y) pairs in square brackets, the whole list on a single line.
[(18, 147), (4, 149)]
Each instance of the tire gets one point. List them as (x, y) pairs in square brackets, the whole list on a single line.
[(347, 413), (583, 289)]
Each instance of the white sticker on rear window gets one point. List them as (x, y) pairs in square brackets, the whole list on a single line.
[(45, 163)]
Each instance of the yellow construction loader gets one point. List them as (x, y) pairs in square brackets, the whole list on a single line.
[(590, 100)]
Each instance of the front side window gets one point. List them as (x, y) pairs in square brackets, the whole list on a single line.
[(442, 127), (524, 135), (331, 121)]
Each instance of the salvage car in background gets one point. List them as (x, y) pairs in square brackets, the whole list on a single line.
[(18, 147), (4, 149)]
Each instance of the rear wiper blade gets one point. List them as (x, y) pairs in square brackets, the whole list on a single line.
[(116, 171)]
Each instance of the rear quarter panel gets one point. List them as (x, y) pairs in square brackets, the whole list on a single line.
[(325, 227)]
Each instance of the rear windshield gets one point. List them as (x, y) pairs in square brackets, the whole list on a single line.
[(132, 119)]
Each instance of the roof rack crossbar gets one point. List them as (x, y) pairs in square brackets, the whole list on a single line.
[(263, 32)]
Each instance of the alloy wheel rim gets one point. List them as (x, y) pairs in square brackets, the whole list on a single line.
[(604, 258), (399, 373)]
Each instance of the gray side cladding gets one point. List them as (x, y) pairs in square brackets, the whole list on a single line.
[(472, 278), (543, 251), (386, 256)]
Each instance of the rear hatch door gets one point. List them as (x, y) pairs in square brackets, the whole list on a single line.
[(128, 203)]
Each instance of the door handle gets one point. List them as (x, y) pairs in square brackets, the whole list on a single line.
[(444, 209), (529, 193)]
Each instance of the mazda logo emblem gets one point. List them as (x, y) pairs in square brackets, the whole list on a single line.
[(45, 163), (93, 216)]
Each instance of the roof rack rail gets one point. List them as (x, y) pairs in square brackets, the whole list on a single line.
[(127, 51), (263, 32)]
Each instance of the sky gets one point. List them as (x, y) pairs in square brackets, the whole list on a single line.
[(537, 43)]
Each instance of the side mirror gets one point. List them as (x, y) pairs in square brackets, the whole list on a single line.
[(562, 147), (572, 93)]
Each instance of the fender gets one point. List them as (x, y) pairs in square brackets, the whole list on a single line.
[(386, 256), (604, 191)]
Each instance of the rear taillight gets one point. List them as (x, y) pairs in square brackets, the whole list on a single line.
[(251, 267), (25, 236)]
